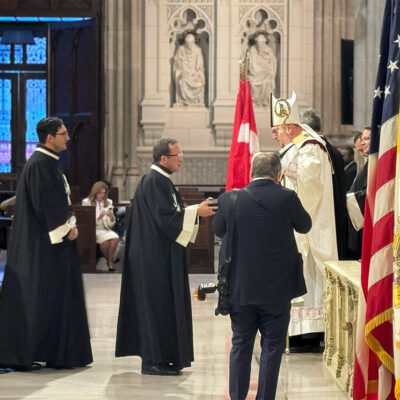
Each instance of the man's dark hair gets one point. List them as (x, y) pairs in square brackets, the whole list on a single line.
[(349, 150), (312, 119), (48, 126), (266, 165), (367, 128), (357, 136), (162, 149)]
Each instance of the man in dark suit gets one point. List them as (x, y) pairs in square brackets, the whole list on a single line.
[(265, 272), (350, 166)]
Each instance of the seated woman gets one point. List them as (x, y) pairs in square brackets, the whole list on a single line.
[(105, 220)]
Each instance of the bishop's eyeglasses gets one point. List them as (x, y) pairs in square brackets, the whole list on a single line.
[(179, 155)]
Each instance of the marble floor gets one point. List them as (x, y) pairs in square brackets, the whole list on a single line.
[(302, 376)]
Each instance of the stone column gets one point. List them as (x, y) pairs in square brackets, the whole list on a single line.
[(132, 133), (153, 105), (333, 22), (368, 20), (122, 70), (227, 71)]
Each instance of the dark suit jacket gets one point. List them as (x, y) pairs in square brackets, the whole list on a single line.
[(350, 172), (266, 267), (359, 188)]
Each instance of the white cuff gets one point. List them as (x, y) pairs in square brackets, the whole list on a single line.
[(56, 235), (190, 226), (355, 214)]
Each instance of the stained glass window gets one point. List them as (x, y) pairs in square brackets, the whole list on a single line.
[(36, 53), (43, 19), (35, 111), (5, 54), (18, 54), (5, 125)]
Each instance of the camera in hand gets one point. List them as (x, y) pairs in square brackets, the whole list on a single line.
[(213, 202), (223, 298)]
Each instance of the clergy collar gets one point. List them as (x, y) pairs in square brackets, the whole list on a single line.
[(162, 170), (45, 150)]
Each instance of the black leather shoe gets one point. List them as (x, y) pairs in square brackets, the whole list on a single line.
[(155, 370), (33, 367)]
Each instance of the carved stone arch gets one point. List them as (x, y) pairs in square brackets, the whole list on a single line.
[(263, 20), (193, 19)]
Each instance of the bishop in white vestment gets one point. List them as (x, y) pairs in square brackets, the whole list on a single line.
[(307, 170)]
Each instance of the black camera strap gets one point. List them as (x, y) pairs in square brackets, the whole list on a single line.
[(229, 231), (255, 199)]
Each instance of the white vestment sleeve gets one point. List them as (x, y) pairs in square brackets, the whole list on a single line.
[(355, 214), (56, 235), (190, 226)]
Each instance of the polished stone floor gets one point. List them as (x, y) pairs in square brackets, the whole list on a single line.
[(302, 376)]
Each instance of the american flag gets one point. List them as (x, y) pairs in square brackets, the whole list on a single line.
[(374, 366)]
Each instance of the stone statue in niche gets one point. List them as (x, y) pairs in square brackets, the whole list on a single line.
[(188, 72), (262, 70)]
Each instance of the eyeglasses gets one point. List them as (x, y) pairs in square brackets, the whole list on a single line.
[(179, 155), (62, 134)]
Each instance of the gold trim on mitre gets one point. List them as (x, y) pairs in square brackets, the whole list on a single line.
[(284, 111)]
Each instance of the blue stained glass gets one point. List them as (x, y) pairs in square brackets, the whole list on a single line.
[(5, 125), (26, 19), (35, 111), (36, 53), (49, 19), (71, 19), (18, 54), (43, 19), (5, 53)]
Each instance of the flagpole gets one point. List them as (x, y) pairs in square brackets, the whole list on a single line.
[(245, 66)]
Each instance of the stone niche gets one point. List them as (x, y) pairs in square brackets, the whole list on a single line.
[(191, 53)]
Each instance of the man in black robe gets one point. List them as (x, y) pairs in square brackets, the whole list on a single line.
[(155, 317), (42, 306)]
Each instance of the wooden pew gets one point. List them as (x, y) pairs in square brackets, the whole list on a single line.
[(86, 241), (200, 255)]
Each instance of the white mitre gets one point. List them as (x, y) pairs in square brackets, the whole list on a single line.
[(284, 111)]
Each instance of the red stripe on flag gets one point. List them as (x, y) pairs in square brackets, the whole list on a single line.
[(359, 385), (379, 297), (386, 172), (383, 233)]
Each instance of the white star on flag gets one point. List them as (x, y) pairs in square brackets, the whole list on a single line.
[(393, 66), (387, 91), (397, 41), (378, 92)]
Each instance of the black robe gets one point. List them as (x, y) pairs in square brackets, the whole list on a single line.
[(359, 188), (339, 198), (155, 317), (42, 307)]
